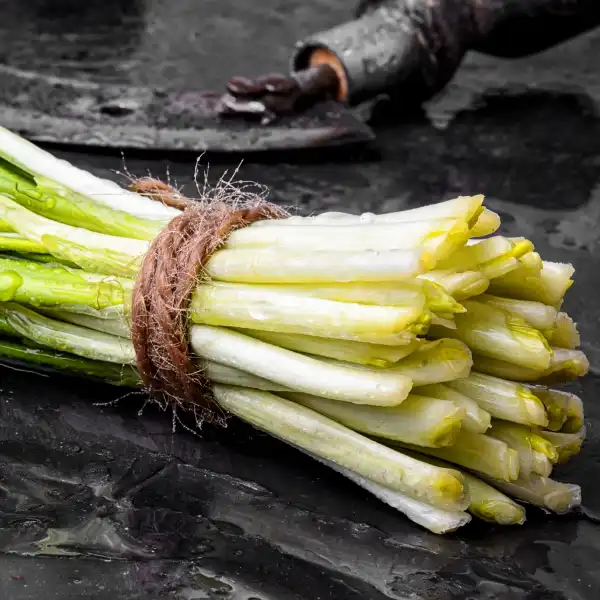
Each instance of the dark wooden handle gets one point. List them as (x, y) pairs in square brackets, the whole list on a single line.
[(515, 28), (504, 28), (437, 34)]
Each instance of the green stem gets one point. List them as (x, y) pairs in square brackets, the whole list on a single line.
[(93, 251), (66, 337), (60, 361), (49, 199), (50, 285)]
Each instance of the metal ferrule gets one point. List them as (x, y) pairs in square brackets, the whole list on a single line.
[(378, 51)]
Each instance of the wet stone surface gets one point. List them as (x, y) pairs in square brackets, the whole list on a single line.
[(98, 502)]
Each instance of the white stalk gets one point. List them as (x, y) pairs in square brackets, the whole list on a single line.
[(518, 440), (548, 285), (503, 399), (361, 353), (242, 306), (446, 361), (538, 315), (273, 266), (565, 365), (327, 439), (434, 519), (563, 333), (493, 332), (418, 420), (372, 293), (296, 371), (479, 453), (463, 207), (540, 491), (395, 236), (486, 502), (476, 420), (564, 408), (470, 256), (567, 445), (460, 285), (218, 373), (439, 362)]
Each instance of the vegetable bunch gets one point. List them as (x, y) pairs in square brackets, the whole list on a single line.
[(410, 351)]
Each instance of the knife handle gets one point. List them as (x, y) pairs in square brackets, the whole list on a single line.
[(411, 48), (517, 28)]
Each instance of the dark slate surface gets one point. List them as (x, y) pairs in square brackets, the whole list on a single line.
[(97, 502)]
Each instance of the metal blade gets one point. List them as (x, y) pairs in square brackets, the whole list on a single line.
[(64, 111)]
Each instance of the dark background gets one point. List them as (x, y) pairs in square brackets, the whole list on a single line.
[(98, 502)]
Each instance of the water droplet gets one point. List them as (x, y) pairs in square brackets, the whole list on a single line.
[(258, 314)]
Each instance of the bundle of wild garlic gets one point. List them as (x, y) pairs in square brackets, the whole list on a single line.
[(409, 351)]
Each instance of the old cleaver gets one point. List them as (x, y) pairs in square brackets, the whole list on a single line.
[(49, 109)]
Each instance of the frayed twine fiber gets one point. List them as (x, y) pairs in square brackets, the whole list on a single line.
[(158, 190), (170, 271)]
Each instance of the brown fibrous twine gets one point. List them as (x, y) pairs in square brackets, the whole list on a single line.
[(173, 266)]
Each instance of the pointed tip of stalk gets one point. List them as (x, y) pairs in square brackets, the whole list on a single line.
[(577, 364), (499, 512), (521, 247), (535, 408), (543, 446), (487, 223), (450, 485), (446, 433), (532, 261), (564, 498), (464, 519), (439, 300)]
